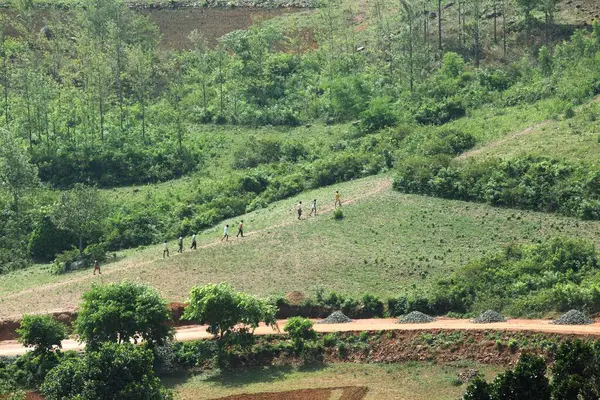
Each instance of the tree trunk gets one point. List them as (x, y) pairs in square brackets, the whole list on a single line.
[(81, 245), (440, 25), (495, 23), (504, 26)]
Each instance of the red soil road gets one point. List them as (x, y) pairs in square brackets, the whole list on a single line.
[(183, 334)]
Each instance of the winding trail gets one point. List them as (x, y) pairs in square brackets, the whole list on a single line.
[(188, 333)]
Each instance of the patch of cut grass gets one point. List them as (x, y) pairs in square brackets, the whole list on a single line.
[(412, 381)]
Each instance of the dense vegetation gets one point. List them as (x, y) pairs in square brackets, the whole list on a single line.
[(534, 280), (90, 99), (576, 363), (527, 182)]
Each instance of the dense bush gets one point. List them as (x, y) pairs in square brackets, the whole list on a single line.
[(527, 381), (558, 274), (300, 329), (535, 183), (121, 312), (114, 371), (222, 308), (41, 332)]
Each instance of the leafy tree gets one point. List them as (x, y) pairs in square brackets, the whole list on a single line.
[(120, 312), (42, 332), (478, 389), (527, 381), (80, 211), (222, 308), (17, 174), (575, 371), (113, 372)]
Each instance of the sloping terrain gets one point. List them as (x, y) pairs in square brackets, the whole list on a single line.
[(387, 243)]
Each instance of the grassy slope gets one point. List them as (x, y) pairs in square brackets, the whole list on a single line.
[(387, 243), (396, 381), (576, 139)]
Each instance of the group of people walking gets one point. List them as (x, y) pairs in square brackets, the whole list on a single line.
[(313, 205), (240, 232)]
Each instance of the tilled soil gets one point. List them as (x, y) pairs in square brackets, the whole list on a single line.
[(347, 393)]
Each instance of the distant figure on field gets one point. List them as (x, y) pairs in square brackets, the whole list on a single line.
[(338, 199), (165, 249), (313, 208), (299, 209), (97, 267), (240, 229), (180, 242), (225, 233), (193, 246)]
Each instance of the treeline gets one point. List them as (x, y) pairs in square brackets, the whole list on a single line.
[(98, 103)]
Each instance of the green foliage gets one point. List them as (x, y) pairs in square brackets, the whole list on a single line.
[(556, 275), (114, 371), (372, 305), (527, 182), (338, 214), (527, 381), (575, 368), (222, 308), (47, 240), (121, 312), (300, 329), (80, 211), (41, 332), (378, 115), (69, 260)]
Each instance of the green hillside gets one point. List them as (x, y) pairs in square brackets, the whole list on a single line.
[(388, 244)]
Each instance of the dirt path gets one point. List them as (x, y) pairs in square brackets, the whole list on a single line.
[(513, 136), (383, 185), (188, 333)]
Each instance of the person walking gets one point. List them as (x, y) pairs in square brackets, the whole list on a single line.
[(165, 250), (240, 229), (338, 199), (313, 208), (97, 267), (225, 233), (299, 209), (180, 242), (193, 246)]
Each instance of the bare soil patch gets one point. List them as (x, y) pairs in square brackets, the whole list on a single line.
[(175, 25), (347, 393)]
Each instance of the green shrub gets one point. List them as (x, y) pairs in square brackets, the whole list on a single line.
[(69, 260), (478, 389), (377, 116), (373, 305), (114, 371), (575, 367), (557, 274), (120, 312), (300, 329), (96, 252), (42, 332), (338, 214)]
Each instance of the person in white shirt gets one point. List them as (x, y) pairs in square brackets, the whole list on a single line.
[(193, 246), (299, 209), (180, 242), (313, 208), (225, 233), (165, 250)]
